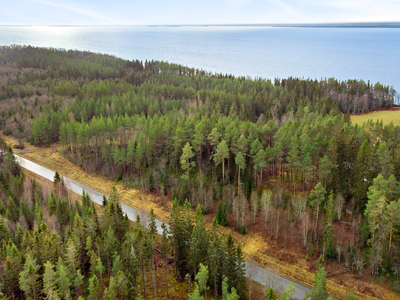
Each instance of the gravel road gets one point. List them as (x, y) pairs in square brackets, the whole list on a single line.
[(256, 273)]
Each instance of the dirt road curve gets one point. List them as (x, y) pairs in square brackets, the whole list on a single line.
[(257, 274)]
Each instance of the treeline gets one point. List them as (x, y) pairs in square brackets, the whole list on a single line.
[(41, 78), (286, 150), (321, 169), (56, 248)]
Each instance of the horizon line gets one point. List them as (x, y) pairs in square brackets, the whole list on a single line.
[(383, 24)]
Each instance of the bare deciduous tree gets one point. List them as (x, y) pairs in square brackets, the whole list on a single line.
[(305, 221)]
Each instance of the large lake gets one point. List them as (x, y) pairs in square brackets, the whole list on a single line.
[(345, 53)]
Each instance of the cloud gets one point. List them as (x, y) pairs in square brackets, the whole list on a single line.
[(159, 12), (358, 10), (97, 17)]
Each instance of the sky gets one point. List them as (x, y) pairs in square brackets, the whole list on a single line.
[(179, 12)]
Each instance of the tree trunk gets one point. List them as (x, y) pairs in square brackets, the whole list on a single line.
[(166, 274), (316, 217), (143, 282), (390, 239), (215, 285), (223, 171), (239, 182), (277, 226)]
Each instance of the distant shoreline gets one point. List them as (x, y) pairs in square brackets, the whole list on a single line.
[(309, 25), (315, 25)]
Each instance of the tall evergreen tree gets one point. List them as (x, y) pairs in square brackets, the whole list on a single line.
[(29, 278), (362, 175), (220, 155)]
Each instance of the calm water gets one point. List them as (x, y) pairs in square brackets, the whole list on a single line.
[(345, 53)]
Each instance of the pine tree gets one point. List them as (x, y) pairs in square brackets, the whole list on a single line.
[(260, 162), (317, 197), (151, 247), (241, 163), (214, 256), (221, 153), (186, 164), (288, 292), (230, 262), (240, 282), (195, 295), (225, 288), (233, 295), (198, 242), (49, 278), (71, 256), (4, 232), (63, 281), (202, 278), (99, 270), (29, 278), (270, 294), (94, 288), (383, 155), (294, 160), (254, 199), (117, 265), (325, 169), (221, 216), (396, 163), (79, 283), (13, 266), (214, 137), (165, 250), (319, 291), (362, 175), (341, 175)]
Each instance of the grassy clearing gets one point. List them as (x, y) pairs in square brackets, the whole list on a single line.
[(386, 116), (256, 246)]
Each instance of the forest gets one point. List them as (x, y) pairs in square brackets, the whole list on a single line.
[(54, 247), (284, 151), (57, 248)]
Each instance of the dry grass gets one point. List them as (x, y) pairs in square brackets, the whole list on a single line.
[(386, 116), (256, 247)]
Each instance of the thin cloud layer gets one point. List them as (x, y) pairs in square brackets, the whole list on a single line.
[(158, 12)]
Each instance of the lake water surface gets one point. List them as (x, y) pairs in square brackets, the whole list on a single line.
[(345, 53)]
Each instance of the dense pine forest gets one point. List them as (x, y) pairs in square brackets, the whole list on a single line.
[(56, 248), (283, 153)]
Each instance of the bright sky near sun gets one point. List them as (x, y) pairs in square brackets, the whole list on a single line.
[(158, 12)]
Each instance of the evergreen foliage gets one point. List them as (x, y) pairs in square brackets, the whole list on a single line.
[(101, 254)]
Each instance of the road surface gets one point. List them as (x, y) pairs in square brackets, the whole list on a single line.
[(256, 273)]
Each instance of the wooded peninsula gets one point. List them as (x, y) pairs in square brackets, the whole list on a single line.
[(277, 157)]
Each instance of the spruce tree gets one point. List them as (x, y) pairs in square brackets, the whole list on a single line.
[(49, 278), (94, 288), (165, 250), (270, 294), (202, 278), (198, 242), (63, 281), (186, 164), (29, 278), (319, 291)]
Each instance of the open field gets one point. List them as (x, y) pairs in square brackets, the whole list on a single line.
[(257, 246), (386, 116)]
